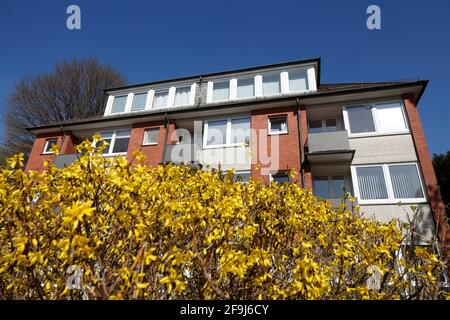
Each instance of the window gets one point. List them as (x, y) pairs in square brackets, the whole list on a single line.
[(118, 105), (360, 119), (389, 183), (327, 125), (227, 132), (271, 84), (118, 141), (49, 143), (376, 118), (151, 136), (245, 88), (139, 101), (160, 99), (278, 125), (221, 91), (240, 131), (242, 176), (182, 96), (280, 177), (329, 187), (298, 81)]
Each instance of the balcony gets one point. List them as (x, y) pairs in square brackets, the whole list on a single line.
[(65, 160), (329, 147), (182, 153)]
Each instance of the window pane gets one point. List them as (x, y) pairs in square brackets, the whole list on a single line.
[(337, 186), (245, 88), (151, 136), (139, 100), (298, 81), (221, 90), (106, 135), (119, 104), (121, 145), (405, 181), (160, 99), (271, 84), (49, 144), (371, 183), (315, 126), (360, 119), (240, 130), (320, 187), (217, 132), (182, 96), (330, 125), (280, 178), (278, 125), (242, 177), (123, 133), (104, 141), (390, 117)]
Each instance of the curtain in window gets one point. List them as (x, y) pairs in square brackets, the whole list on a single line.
[(221, 90), (271, 84), (245, 88), (405, 181), (119, 104), (371, 183), (298, 81), (139, 100), (160, 99), (182, 96), (151, 136)]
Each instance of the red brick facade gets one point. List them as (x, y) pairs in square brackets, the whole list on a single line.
[(426, 165), (36, 158)]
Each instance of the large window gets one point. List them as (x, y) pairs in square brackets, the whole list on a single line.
[(388, 183), (245, 88), (118, 142), (324, 125), (227, 132), (118, 105), (271, 84), (329, 187), (376, 118), (182, 96), (221, 90), (139, 101), (242, 176)]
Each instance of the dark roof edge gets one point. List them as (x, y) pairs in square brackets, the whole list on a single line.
[(282, 64), (301, 97)]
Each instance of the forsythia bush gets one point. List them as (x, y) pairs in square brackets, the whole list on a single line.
[(127, 231)]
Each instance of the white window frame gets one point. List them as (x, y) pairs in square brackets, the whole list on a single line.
[(228, 133), (240, 172), (269, 125), (44, 151), (132, 99), (145, 132), (211, 88), (330, 182), (388, 181), (113, 141), (373, 108)]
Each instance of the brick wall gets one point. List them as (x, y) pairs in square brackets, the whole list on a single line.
[(426, 166), (289, 156), (37, 158)]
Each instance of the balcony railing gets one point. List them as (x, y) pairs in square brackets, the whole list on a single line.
[(182, 153), (65, 160), (328, 141)]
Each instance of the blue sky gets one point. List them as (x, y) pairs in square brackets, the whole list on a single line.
[(152, 40)]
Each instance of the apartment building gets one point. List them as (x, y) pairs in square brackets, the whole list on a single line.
[(364, 138)]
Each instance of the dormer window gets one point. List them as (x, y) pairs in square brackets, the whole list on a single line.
[(182, 96), (139, 100), (160, 99), (271, 84), (245, 88), (221, 91), (119, 104), (298, 81)]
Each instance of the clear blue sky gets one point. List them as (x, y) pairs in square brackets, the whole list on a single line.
[(150, 40)]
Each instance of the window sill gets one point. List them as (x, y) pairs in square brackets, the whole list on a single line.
[(376, 134), (111, 155), (148, 144), (277, 133), (223, 146), (391, 202)]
